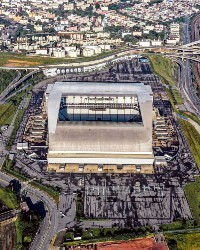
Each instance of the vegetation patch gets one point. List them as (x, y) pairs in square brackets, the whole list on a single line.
[(6, 77), (9, 198), (184, 241), (23, 60), (105, 234), (190, 115), (177, 97), (178, 225), (162, 67), (193, 139), (26, 227), (192, 191), (7, 112), (10, 169), (54, 192)]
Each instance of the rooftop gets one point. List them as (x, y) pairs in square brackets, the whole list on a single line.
[(114, 108)]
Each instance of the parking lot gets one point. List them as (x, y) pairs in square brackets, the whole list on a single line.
[(138, 200)]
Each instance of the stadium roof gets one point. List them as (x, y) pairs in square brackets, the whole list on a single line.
[(59, 89)]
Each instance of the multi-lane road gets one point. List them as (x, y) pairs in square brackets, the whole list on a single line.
[(186, 85), (49, 225), (16, 83)]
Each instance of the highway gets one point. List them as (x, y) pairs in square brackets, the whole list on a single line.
[(15, 84), (187, 88), (94, 62), (186, 84), (107, 58), (50, 223), (99, 63)]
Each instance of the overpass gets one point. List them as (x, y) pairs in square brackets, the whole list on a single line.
[(184, 51), (16, 84), (127, 52), (191, 44), (184, 56)]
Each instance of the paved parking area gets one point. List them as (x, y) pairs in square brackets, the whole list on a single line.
[(67, 209), (141, 202)]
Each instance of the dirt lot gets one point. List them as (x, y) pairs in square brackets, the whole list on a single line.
[(7, 235), (18, 63), (138, 244)]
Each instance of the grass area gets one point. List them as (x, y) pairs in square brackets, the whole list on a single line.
[(51, 191), (26, 226), (178, 225), (14, 59), (192, 191), (7, 112), (185, 241), (163, 68), (9, 168), (19, 228), (193, 139), (9, 198), (15, 129), (6, 77), (107, 234), (178, 98), (189, 115)]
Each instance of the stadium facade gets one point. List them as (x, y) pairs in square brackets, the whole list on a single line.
[(99, 127)]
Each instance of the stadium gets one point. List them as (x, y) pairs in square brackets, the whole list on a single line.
[(99, 127)]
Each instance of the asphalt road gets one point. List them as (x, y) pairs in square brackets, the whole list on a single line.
[(49, 225), (187, 87), (14, 84), (192, 102)]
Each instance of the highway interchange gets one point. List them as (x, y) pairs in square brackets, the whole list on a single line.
[(186, 84)]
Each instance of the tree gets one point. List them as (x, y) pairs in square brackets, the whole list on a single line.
[(27, 239), (97, 6), (172, 244), (130, 39), (113, 6)]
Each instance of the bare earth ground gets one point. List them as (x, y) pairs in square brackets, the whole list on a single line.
[(138, 244), (18, 63), (7, 236)]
